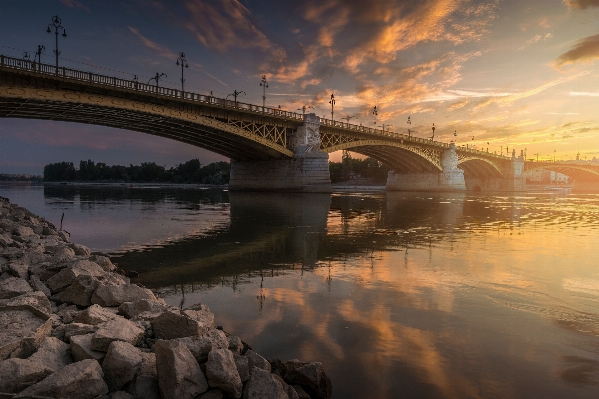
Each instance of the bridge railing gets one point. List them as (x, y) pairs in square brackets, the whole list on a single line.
[(114, 82)]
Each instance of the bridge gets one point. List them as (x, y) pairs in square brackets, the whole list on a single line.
[(269, 148)]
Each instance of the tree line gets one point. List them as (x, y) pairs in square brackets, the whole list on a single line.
[(189, 172), (350, 168)]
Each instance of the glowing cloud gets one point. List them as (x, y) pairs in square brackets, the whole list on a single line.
[(586, 50)]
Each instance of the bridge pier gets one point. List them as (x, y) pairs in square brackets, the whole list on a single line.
[(512, 179), (451, 178), (307, 171)]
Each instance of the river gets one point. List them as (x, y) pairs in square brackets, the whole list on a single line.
[(413, 295)]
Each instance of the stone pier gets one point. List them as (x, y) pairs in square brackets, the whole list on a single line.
[(307, 171), (512, 180), (451, 178)]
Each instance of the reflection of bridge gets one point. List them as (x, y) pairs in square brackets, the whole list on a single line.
[(270, 149)]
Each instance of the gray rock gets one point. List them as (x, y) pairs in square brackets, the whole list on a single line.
[(66, 276), (132, 309), (64, 332), (212, 394), (289, 390), (63, 235), (104, 262), (18, 374), (12, 287), (81, 348), (52, 353), (79, 292), (38, 285), (255, 360), (94, 315), (116, 330), (145, 382), (36, 301), (171, 325), (120, 395), (204, 318), (179, 375), (80, 250), (202, 345), (263, 385), (115, 295), (23, 231), (310, 376), (120, 364), (301, 394), (222, 373), (243, 368), (22, 332), (235, 344), (67, 312), (19, 269), (81, 380)]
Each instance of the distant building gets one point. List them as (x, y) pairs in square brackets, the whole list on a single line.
[(546, 176)]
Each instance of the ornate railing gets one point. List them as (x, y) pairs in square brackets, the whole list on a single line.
[(111, 81)]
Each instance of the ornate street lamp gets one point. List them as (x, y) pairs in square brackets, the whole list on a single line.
[(181, 60), (332, 102), (157, 78), (347, 118), (433, 136), (38, 53), (235, 94), (57, 27), (264, 85), (375, 112), (303, 109)]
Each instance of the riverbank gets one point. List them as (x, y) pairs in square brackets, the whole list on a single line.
[(73, 326)]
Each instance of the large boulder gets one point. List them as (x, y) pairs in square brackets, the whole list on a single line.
[(310, 375), (38, 285), (66, 276), (81, 348), (222, 372), (255, 360), (243, 368), (52, 353), (18, 268), (171, 325), (201, 346), (95, 315), (79, 292), (120, 364), (145, 382), (13, 286), (134, 308), (81, 380), (22, 331), (263, 385), (64, 332), (116, 330), (18, 374), (35, 301), (204, 318), (115, 295), (179, 375)]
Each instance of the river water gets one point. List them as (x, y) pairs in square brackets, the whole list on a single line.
[(399, 295)]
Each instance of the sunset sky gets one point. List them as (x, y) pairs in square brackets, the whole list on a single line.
[(516, 73)]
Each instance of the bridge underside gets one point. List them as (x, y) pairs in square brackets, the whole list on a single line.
[(398, 159), (212, 139)]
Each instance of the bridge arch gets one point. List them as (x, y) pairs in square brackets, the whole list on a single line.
[(399, 157), (578, 172), (474, 166)]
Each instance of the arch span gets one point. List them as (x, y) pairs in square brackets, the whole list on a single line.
[(479, 167), (586, 173)]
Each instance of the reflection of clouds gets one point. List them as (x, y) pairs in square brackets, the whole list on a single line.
[(580, 371), (582, 285)]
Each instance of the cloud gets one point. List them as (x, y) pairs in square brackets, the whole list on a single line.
[(582, 3), (535, 39), (161, 50), (585, 50), (584, 93), (509, 100), (74, 4), (225, 24)]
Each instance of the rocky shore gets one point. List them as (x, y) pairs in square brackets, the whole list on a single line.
[(72, 325)]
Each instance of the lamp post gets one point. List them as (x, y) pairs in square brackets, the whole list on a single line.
[(157, 78), (388, 126), (375, 112), (433, 136), (304, 108), (235, 94), (25, 57), (409, 123), (347, 118), (57, 27), (264, 85), (181, 60), (553, 155), (38, 53), (332, 102)]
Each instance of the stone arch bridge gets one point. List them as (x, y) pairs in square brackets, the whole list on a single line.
[(270, 149)]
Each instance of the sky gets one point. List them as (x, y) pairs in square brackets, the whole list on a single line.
[(517, 74)]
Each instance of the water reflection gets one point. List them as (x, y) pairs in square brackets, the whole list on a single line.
[(399, 295)]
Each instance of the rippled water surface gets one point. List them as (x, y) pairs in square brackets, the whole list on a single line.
[(413, 295)]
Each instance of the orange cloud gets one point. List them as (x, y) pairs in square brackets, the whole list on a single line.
[(582, 3), (75, 4), (225, 24), (161, 50), (585, 50)]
